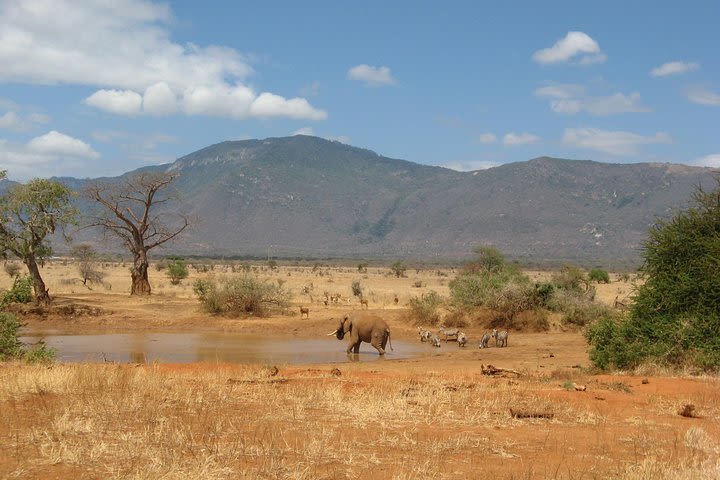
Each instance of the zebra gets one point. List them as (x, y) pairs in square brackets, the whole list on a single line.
[(484, 340), (501, 338), (451, 333), (435, 341), (424, 334), (461, 339)]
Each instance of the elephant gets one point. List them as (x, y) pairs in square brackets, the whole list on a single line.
[(363, 327)]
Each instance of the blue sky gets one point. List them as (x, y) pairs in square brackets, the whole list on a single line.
[(90, 88)]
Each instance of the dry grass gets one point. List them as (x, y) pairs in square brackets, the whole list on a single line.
[(120, 421)]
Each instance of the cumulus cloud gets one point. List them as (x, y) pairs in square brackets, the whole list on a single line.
[(571, 99), (124, 48), (371, 76), (572, 45), (512, 139), (21, 122), (56, 143), (50, 154), (612, 142), (673, 68), (122, 102), (487, 138), (703, 96), (271, 105)]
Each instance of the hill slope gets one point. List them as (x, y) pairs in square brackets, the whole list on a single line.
[(305, 196)]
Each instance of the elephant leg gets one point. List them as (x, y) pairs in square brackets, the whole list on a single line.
[(356, 349), (378, 341)]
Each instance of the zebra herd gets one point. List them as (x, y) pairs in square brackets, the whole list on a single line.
[(500, 336)]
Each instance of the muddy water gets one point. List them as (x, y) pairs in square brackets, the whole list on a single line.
[(214, 347)]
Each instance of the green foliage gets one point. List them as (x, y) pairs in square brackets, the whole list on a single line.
[(599, 275), (480, 289), (20, 292), (244, 295), (357, 289), (570, 277), (40, 353), (398, 268), (424, 309), (362, 267), (675, 315), (488, 259), (10, 345), (177, 271)]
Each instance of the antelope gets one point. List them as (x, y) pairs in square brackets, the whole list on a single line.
[(363, 301), (305, 311)]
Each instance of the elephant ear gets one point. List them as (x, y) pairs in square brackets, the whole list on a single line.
[(347, 324)]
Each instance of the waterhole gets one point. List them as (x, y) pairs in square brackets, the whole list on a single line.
[(214, 347)]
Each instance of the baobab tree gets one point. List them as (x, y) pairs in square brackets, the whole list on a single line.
[(29, 214), (130, 212)]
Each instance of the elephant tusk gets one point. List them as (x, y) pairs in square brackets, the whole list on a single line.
[(334, 332)]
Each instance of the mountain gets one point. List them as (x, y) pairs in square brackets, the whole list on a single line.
[(306, 196)]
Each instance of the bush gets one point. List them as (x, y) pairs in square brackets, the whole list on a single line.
[(357, 289), (480, 289), (10, 345), (675, 315), (488, 259), (599, 275), (20, 292), (177, 271), (362, 267), (570, 278), (398, 268), (12, 269), (245, 295), (424, 309), (40, 353)]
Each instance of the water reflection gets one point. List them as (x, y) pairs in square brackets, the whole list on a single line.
[(214, 347)]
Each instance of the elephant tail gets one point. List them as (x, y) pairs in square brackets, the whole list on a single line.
[(389, 341)]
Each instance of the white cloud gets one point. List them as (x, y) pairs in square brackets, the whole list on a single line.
[(51, 154), (159, 100), (124, 47), (487, 138), (304, 131), (470, 165), (703, 96), (712, 160), (121, 102), (673, 68), (612, 142), (571, 99), (56, 143), (371, 76), (512, 139), (573, 44), (17, 122), (271, 105)]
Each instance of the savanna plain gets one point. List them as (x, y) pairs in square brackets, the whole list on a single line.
[(431, 416)]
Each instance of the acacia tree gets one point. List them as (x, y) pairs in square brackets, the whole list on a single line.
[(29, 213), (130, 212)]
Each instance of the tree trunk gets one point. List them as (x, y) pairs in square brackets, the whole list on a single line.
[(41, 292), (139, 275)]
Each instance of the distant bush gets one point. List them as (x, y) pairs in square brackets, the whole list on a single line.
[(481, 288), (357, 289), (12, 269), (20, 292), (424, 310), (177, 271), (570, 277), (487, 259), (398, 268), (244, 295), (272, 264), (362, 267), (599, 275)]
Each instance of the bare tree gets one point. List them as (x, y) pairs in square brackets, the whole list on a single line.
[(130, 213)]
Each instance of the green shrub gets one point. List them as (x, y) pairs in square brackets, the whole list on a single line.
[(570, 278), (20, 292), (177, 271), (481, 288), (398, 268), (40, 353), (675, 315), (244, 295), (487, 259), (10, 345), (599, 275), (357, 289), (424, 309)]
